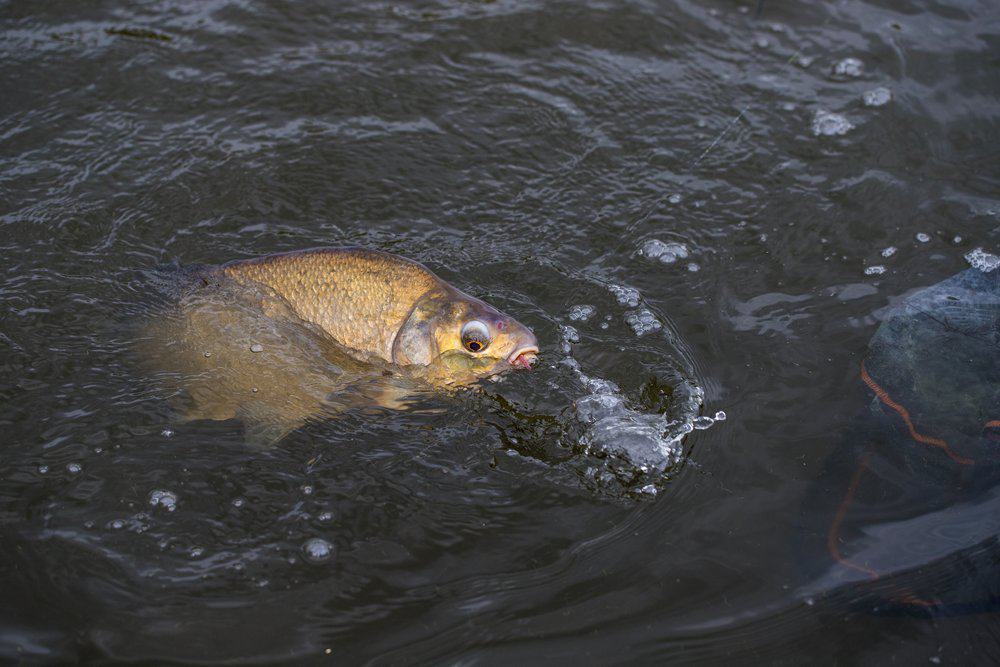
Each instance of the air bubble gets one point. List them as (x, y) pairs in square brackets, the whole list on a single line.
[(74, 468), (43, 469), (238, 503), (165, 499), (923, 238), (256, 347), (325, 517), (116, 524), (317, 550), (889, 252)]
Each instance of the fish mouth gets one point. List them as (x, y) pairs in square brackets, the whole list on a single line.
[(523, 356)]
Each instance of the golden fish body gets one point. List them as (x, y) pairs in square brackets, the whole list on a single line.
[(286, 338)]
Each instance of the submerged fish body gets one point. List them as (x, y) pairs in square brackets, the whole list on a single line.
[(283, 339)]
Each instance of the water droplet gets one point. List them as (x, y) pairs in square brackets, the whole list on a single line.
[(306, 489), (165, 499), (889, 252), (74, 468), (581, 313), (876, 97), (828, 124), (318, 550), (923, 238), (848, 67), (253, 389), (957, 240), (238, 502), (256, 347), (208, 354), (875, 270)]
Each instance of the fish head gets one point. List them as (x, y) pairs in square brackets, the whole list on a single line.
[(459, 339)]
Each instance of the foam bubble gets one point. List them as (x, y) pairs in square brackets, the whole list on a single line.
[(876, 97), (74, 468), (162, 498), (982, 260), (848, 67), (668, 253), (642, 321), (923, 238), (828, 124), (889, 252), (256, 347), (581, 313), (626, 296), (875, 270)]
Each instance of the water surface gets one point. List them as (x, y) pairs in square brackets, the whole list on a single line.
[(721, 205)]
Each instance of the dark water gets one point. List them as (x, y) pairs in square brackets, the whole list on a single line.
[(526, 152)]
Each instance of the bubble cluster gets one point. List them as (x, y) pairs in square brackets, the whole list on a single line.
[(581, 313), (164, 499), (828, 124), (667, 253), (642, 321), (874, 270), (626, 296), (876, 97), (848, 68), (982, 260), (889, 252)]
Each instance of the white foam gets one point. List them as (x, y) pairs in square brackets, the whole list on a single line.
[(828, 124), (876, 97), (875, 270), (889, 252), (982, 260), (849, 67)]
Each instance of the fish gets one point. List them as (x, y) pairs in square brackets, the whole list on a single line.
[(284, 339)]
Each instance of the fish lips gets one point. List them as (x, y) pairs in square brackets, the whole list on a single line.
[(523, 357)]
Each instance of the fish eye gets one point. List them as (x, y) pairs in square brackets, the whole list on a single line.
[(475, 336)]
